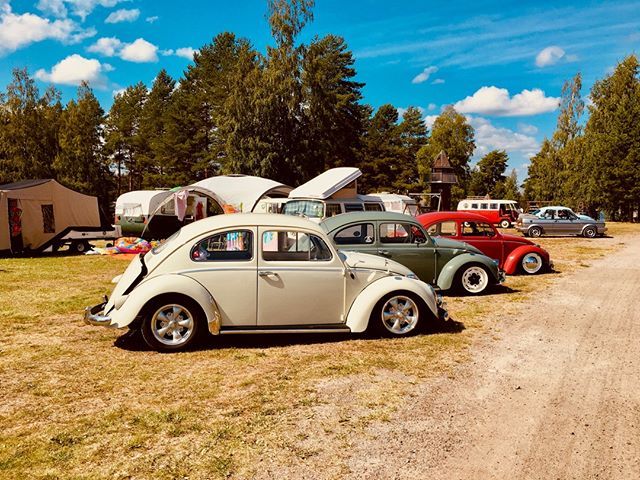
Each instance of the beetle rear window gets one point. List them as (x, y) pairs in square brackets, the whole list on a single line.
[(293, 246), (232, 245)]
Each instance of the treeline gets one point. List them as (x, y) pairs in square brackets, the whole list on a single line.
[(287, 114), (594, 165)]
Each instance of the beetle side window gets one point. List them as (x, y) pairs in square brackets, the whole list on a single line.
[(359, 234), (477, 229), (293, 246), (443, 229), (232, 245), (395, 233)]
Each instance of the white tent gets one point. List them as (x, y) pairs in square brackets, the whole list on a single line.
[(140, 202), (241, 193)]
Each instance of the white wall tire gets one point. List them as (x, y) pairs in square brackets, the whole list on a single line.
[(531, 263), (505, 224)]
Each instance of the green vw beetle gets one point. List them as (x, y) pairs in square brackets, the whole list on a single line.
[(447, 264)]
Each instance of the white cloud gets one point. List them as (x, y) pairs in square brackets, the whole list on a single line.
[(432, 107), (73, 70), (497, 101), (118, 91), (429, 120), (139, 51), (549, 56), (490, 137), (123, 15), (17, 31), (151, 19), (185, 52), (424, 75), (527, 129), (107, 46), (80, 8), (437, 81)]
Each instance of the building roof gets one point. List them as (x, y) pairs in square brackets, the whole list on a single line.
[(441, 161)]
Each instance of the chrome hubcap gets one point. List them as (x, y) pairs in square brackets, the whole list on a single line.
[(172, 324), (400, 315), (531, 263), (475, 279)]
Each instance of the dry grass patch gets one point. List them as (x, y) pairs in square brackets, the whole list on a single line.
[(82, 402)]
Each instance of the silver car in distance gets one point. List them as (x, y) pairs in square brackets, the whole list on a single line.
[(559, 221), (262, 273)]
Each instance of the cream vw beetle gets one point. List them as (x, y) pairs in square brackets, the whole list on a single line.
[(257, 273)]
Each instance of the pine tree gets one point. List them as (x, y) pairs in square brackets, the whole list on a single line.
[(80, 163), (413, 136)]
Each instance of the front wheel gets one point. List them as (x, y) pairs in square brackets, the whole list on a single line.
[(472, 279), (531, 263), (398, 314), (590, 232), (171, 324), (505, 224)]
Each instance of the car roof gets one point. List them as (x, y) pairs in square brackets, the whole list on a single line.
[(554, 206), (247, 220), (332, 223), (433, 217)]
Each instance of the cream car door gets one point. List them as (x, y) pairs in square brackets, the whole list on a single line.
[(300, 280), (225, 264)]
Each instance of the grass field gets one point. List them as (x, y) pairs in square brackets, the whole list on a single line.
[(86, 402)]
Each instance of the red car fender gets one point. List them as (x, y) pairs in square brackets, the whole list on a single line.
[(513, 260)]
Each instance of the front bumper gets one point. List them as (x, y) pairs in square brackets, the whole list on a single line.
[(95, 316)]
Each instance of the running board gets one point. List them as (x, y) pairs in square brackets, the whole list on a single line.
[(283, 330)]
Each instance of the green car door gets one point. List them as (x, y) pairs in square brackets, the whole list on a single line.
[(408, 244)]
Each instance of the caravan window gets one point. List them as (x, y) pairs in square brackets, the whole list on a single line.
[(373, 207), (333, 209), (353, 207)]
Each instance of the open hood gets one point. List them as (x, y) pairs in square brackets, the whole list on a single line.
[(326, 184)]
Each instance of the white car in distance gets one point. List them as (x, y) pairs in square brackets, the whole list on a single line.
[(262, 273)]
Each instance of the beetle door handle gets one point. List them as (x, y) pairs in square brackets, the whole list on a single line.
[(267, 274), (384, 252)]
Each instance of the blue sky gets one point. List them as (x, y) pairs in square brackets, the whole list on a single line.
[(500, 63)]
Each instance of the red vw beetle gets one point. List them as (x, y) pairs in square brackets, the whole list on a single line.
[(513, 253)]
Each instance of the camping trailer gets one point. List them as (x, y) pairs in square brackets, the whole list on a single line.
[(42, 215), (333, 192), (395, 202), (133, 209)]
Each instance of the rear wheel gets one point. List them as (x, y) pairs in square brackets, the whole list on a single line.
[(505, 224), (398, 314), (80, 247), (472, 279), (531, 263), (535, 232), (590, 232), (172, 323)]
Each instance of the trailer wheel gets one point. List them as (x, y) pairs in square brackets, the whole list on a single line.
[(80, 247)]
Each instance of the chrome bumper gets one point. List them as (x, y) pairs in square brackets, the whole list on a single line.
[(443, 315), (501, 276), (94, 315)]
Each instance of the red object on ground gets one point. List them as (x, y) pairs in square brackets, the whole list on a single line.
[(476, 230)]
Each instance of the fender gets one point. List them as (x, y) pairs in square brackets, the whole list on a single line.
[(361, 308), (132, 305), (448, 273), (590, 225), (513, 260)]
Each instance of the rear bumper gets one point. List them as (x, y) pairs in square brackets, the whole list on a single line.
[(502, 276), (95, 316)]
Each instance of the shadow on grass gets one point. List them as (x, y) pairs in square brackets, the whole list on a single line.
[(132, 340), (495, 290)]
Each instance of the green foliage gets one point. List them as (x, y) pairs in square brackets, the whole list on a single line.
[(488, 177)]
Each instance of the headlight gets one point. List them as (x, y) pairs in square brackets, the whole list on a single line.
[(412, 275)]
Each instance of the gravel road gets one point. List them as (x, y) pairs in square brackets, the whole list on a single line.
[(555, 396)]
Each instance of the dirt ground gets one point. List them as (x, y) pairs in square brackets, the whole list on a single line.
[(557, 396)]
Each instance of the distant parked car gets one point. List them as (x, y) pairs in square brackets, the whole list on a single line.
[(250, 273), (559, 221), (447, 264), (512, 252)]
